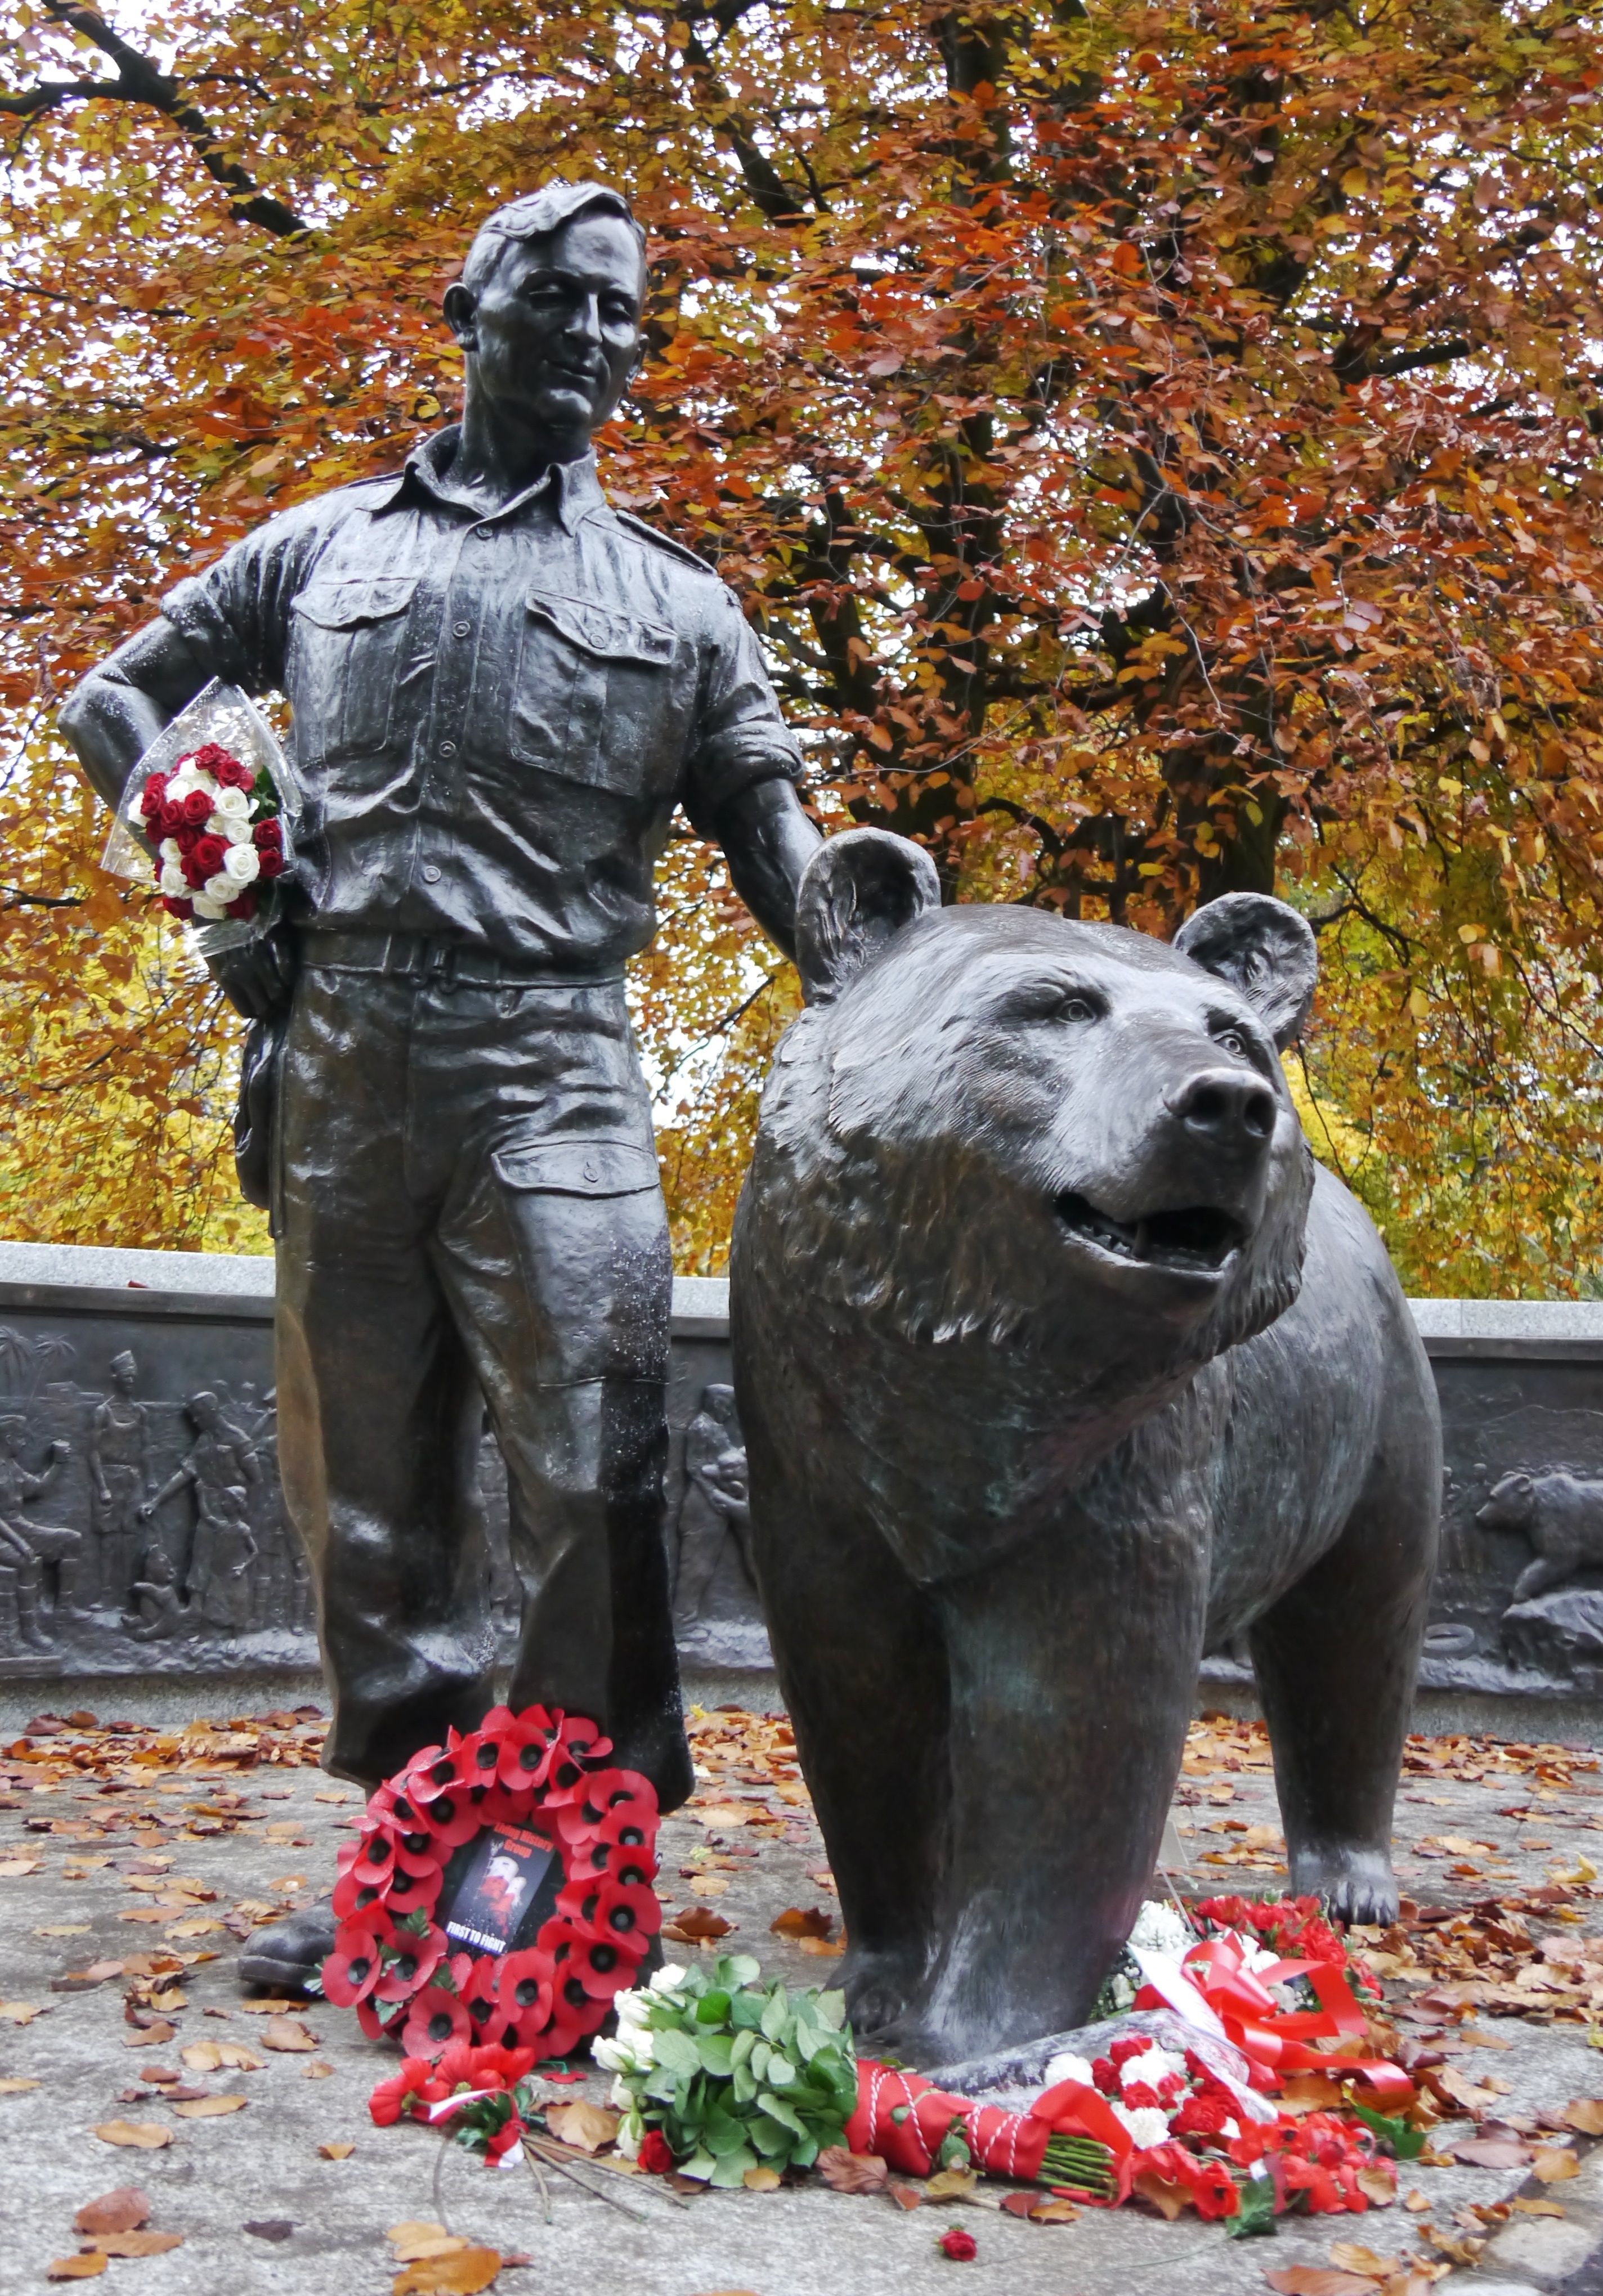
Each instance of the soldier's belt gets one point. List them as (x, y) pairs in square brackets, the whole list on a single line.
[(434, 957)]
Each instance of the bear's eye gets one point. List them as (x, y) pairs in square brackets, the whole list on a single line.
[(1077, 1008), (1230, 1040)]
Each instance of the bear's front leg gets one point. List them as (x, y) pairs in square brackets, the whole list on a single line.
[(1073, 1664)]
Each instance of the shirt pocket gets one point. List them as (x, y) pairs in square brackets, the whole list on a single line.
[(601, 695), (346, 658)]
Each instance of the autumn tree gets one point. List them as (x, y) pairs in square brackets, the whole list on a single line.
[(1157, 445)]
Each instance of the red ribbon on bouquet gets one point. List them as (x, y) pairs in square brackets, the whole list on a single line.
[(906, 2119), (1275, 2039)]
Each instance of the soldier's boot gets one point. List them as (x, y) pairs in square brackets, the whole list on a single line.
[(66, 1588), (287, 1956), (28, 1612)]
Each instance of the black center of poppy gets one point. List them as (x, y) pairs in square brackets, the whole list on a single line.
[(622, 1917), (526, 1992), (357, 1970), (630, 1836), (487, 1757), (416, 1843), (603, 1957), (632, 1876), (443, 1773), (378, 1850), (406, 1968), (574, 1992), (567, 1774), (400, 1884), (404, 1812), (445, 1809), (441, 2025), (529, 1756), (365, 1896)]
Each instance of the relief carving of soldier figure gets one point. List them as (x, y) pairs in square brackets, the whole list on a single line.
[(501, 689), (220, 1468), (28, 1550), (119, 1478), (715, 1504)]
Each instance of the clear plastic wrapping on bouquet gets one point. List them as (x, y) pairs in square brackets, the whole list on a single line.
[(223, 715)]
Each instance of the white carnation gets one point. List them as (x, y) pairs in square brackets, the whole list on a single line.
[(1069, 2067), (1159, 1929), (1147, 2125), (1152, 2066), (241, 865)]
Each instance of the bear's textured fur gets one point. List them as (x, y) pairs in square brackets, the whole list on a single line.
[(1059, 1363)]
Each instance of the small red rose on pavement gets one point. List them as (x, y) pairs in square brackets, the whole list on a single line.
[(960, 2246), (656, 2154)]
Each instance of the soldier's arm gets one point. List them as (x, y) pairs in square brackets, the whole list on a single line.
[(116, 713), (768, 841), (740, 786)]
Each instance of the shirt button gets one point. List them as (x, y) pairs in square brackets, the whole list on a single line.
[(462, 629), (447, 748), (430, 875)]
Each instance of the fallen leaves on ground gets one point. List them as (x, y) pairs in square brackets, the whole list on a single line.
[(1038, 2208), (220, 2056), (587, 2126), (952, 2185), (147, 2136), (134, 2244), (287, 2034), (22, 2012), (795, 1922), (437, 2263), (14, 2085), (123, 2209), (85, 2265), (1552, 2165), (269, 2227), (208, 2108), (1320, 2280), (1585, 2113), (844, 2171), (336, 2150), (695, 1924), (761, 2179)]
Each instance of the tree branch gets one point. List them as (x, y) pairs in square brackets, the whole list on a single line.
[(139, 81)]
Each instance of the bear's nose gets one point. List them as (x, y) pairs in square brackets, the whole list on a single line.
[(1224, 1108)]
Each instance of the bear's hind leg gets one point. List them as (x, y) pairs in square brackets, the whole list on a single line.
[(1337, 1661)]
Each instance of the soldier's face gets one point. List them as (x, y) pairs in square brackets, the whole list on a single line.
[(557, 327)]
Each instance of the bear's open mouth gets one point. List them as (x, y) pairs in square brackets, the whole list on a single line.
[(1199, 1237)]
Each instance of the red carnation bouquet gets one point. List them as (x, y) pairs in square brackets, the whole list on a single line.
[(207, 802)]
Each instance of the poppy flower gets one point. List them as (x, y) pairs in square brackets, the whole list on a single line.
[(436, 2018), (631, 1867), (353, 1969), (599, 1968), (416, 1961), (588, 1806), (499, 2067), (352, 1897), (393, 2097), (417, 1853), (411, 1893), (523, 1986), (451, 1818), (631, 1822), (444, 1772), (523, 1747), (655, 2155), (609, 1909), (375, 1861)]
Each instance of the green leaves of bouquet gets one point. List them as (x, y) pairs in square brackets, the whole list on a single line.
[(727, 2074)]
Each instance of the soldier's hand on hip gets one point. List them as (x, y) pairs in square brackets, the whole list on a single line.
[(258, 979)]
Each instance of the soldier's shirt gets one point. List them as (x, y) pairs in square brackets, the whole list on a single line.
[(493, 717)]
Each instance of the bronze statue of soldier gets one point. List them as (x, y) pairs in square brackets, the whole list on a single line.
[(500, 689)]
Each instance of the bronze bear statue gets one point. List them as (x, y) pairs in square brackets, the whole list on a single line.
[(1059, 1365)]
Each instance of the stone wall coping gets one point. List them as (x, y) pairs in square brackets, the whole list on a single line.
[(31, 1275)]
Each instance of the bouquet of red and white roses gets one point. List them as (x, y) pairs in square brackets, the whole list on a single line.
[(211, 802), (215, 825)]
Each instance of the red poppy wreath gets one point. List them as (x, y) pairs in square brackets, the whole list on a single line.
[(498, 1891)]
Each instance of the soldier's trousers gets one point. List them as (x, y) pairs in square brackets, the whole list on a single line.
[(467, 1206)]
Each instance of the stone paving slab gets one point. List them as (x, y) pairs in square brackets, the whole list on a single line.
[(244, 1820)]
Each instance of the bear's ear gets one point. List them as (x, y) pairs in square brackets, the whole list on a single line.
[(857, 892), (1265, 949)]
